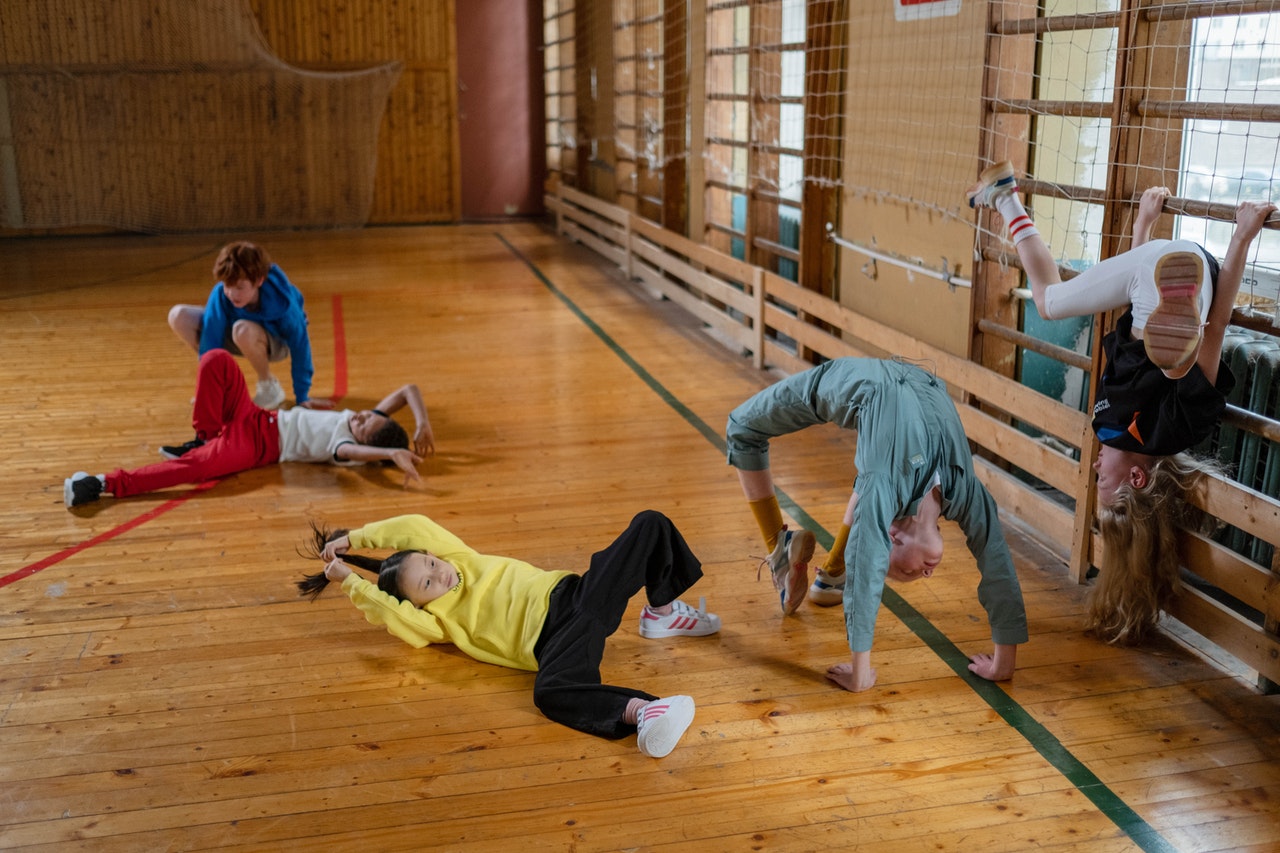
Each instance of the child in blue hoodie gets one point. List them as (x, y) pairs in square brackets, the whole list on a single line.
[(256, 312)]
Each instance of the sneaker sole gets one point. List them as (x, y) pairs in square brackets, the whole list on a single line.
[(1172, 334), (827, 597), (799, 553), (991, 176), (662, 737)]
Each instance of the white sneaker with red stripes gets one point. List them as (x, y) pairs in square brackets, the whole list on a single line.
[(682, 621), (661, 724)]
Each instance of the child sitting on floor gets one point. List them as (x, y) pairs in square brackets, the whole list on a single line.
[(254, 311)]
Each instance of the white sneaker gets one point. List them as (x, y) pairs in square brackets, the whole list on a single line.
[(268, 394), (661, 724), (826, 590), (682, 621)]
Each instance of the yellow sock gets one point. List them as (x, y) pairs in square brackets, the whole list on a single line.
[(834, 566), (769, 517)]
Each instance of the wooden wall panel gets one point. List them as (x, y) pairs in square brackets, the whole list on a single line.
[(89, 32), (417, 179), (417, 161), (191, 151), (177, 116)]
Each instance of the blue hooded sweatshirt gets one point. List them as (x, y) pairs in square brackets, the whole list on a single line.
[(279, 311)]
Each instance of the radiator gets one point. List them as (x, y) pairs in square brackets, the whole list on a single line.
[(1254, 359)]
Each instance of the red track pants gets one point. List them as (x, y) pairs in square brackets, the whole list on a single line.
[(238, 435)]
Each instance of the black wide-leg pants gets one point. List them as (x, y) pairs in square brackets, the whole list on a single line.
[(650, 555)]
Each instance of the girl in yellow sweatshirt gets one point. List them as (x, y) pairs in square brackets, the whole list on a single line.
[(504, 611)]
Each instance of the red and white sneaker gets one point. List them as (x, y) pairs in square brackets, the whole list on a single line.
[(682, 621), (661, 723)]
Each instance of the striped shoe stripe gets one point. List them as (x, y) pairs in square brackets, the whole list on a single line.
[(654, 710), (1180, 290)]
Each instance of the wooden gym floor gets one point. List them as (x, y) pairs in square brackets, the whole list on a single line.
[(163, 688)]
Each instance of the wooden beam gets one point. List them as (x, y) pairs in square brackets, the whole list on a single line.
[(676, 106)]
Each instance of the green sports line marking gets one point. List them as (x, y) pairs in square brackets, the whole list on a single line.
[(1040, 738)]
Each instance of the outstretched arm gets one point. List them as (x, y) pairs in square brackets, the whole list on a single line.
[(406, 460), (409, 532), (1250, 216), (424, 442)]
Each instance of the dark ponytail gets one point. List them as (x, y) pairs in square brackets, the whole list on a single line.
[(388, 570), (312, 585)]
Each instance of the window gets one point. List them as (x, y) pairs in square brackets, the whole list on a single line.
[(1235, 60)]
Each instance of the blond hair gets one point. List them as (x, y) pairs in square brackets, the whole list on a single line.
[(1138, 575)]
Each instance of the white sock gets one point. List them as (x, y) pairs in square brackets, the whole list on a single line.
[(1010, 208)]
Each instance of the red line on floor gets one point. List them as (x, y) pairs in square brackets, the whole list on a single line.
[(339, 351), (27, 571), (339, 391)]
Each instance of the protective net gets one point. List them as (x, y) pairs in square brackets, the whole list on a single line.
[(174, 115), (754, 102)]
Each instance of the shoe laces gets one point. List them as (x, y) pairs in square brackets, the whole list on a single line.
[(765, 561)]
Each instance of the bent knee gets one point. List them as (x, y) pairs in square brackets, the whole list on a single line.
[(248, 332), (184, 318), (650, 518)]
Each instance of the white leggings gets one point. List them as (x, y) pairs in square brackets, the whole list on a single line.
[(1126, 279)]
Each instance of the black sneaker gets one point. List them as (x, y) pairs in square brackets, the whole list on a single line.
[(81, 488), (173, 451)]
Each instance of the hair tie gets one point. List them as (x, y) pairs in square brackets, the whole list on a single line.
[(380, 412)]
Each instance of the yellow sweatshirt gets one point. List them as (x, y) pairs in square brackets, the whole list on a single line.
[(494, 614)]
